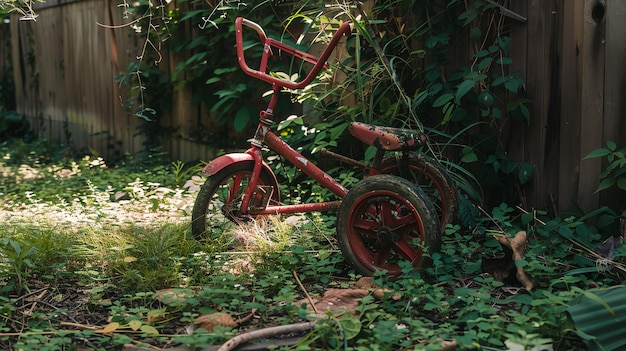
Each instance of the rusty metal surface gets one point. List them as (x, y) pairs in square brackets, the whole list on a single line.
[(387, 138)]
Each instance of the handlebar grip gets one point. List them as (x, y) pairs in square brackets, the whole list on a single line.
[(253, 25), (268, 43)]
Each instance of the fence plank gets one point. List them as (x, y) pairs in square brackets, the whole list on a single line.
[(614, 123), (571, 83), (534, 46), (592, 106)]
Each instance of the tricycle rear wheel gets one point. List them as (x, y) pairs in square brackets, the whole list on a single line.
[(432, 178), (387, 223)]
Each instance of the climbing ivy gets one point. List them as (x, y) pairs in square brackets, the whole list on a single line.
[(444, 66)]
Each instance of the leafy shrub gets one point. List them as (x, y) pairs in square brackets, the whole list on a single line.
[(615, 172)]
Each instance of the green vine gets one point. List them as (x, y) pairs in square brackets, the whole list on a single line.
[(402, 68)]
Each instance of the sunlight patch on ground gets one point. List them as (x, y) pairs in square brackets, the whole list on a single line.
[(96, 211)]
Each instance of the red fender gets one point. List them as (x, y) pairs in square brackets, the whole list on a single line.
[(220, 162)]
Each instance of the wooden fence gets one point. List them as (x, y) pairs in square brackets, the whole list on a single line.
[(65, 67), (570, 54), (5, 51)]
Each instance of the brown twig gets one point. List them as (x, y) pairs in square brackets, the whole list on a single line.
[(78, 325), (295, 275)]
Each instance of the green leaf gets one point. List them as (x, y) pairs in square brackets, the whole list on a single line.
[(289, 121), (601, 152), (605, 184), (17, 248), (527, 218), (475, 75), (148, 329), (496, 112), (199, 41), (476, 33), (201, 56), (499, 80), (448, 109), (467, 17), (611, 145), (521, 263), (351, 325), (525, 172), (385, 104), (583, 270), (484, 63), (220, 71), (468, 155), (135, 324), (432, 74), (481, 53), (420, 98), (505, 61), (443, 99), (335, 132), (463, 89), (242, 118), (191, 14), (504, 43), (512, 85), (621, 183)]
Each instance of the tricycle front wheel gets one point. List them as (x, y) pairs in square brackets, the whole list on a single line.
[(385, 220), (218, 202)]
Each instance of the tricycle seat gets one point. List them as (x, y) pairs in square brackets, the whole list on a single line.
[(387, 138)]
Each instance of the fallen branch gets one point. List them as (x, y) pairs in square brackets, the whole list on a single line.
[(265, 333)]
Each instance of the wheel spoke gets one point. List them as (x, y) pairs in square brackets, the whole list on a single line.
[(372, 213), (381, 257), (404, 249), (234, 188), (407, 224), (367, 231), (219, 199), (386, 210), (386, 220)]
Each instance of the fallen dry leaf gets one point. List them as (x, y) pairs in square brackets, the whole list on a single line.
[(377, 291), (518, 245), (209, 321), (338, 301)]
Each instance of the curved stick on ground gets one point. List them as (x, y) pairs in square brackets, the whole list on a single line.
[(264, 333)]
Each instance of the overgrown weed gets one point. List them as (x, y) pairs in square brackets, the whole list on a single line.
[(134, 273)]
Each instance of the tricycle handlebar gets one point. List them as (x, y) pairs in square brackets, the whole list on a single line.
[(269, 43)]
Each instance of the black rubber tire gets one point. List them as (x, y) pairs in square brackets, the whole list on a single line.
[(433, 178), (212, 213), (383, 220)]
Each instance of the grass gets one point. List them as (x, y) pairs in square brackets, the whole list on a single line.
[(102, 257)]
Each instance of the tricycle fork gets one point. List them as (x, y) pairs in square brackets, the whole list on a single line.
[(257, 156), (272, 141)]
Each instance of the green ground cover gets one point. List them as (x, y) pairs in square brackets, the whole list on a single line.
[(95, 257)]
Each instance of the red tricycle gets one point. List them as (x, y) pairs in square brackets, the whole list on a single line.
[(384, 219)]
